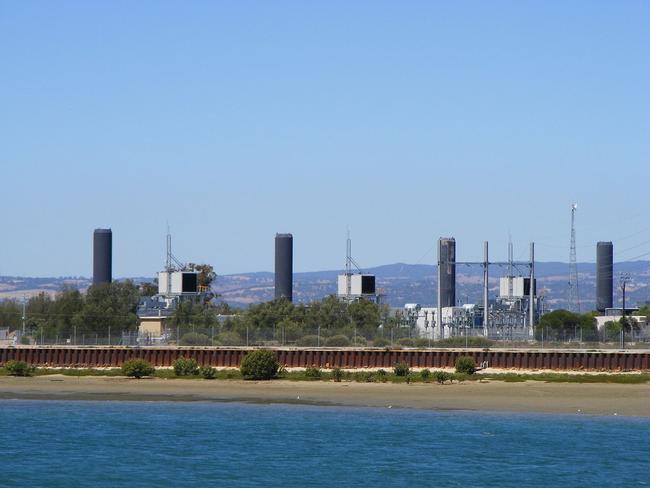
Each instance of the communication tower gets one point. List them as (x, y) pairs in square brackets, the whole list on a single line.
[(574, 297)]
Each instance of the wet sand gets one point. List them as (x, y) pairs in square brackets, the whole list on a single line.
[(530, 396)]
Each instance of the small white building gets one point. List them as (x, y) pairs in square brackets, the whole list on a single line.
[(354, 286)]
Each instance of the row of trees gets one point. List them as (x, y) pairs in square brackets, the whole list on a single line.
[(281, 321), (563, 324), (111, 309), (106, 307)]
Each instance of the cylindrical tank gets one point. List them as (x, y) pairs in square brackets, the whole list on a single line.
[(604, 276), (102, 256), (284, 266), (447, 260)]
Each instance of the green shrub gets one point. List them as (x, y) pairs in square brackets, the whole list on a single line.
[(425, 374), (359, 341), (24, 340), (338, 341), (460, 377), (401, 369), (406, 342), (260, 364), (137, 368), (465, 364), (186, 367), (441, 376), (19, 368), (382, 372), (422, 342), (230, 338), (337, 374), (459, 341), (308, 341), (364, 377), (314, 373), (208, 372), (194, 339), (380, 342)]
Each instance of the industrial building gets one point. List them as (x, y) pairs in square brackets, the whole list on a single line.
[(176, 283), (102, 256), (284, 266), (354, 284)]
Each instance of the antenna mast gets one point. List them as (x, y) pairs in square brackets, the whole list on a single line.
[(574, 297)]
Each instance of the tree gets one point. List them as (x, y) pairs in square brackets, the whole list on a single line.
[(148, 289), (10, 315), (109, 305), (259, 365), (365, 316), (560, 323), (206, 274), (200, 316)]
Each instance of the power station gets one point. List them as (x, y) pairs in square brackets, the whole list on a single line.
[(511, 315)]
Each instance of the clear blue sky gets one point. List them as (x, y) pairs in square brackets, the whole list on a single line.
[(403, 120)]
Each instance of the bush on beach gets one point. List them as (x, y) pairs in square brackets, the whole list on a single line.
[(260, 364), (401, 369), (186, 367), (137, 368), (19, 368), (208, 372), (465, 364)]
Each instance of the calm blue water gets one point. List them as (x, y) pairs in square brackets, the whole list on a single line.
[(65, 443)]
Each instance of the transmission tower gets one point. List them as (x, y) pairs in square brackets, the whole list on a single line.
[(574, 297)]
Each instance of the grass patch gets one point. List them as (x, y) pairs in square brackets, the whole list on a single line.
[(622, 378)]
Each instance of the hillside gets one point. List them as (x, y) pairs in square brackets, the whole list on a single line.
[(400, 283)]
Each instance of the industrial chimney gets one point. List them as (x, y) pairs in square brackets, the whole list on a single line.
[(447, 271), (604, 276), (102, 256), (284, 266)]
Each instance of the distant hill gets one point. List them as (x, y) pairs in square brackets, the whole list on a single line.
[(416, 283), (400, 283)]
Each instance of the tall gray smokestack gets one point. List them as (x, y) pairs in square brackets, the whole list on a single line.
[(447, 271), (284, 266), (604, 276), (102, 256)]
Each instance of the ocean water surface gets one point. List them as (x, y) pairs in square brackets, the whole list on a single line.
[(107, 444)]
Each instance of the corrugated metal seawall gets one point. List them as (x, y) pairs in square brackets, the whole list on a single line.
[(332, 358)]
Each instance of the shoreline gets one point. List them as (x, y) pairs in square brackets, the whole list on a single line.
[(496, 396)]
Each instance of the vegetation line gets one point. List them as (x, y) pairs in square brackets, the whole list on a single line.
[(379, 376)]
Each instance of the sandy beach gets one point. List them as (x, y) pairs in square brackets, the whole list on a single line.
[(531, 396)]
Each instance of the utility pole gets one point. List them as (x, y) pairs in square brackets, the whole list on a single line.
[(574, 296), (24, 300), (625, 277)]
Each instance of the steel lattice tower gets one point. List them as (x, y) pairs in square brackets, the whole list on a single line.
[(574, 297)]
